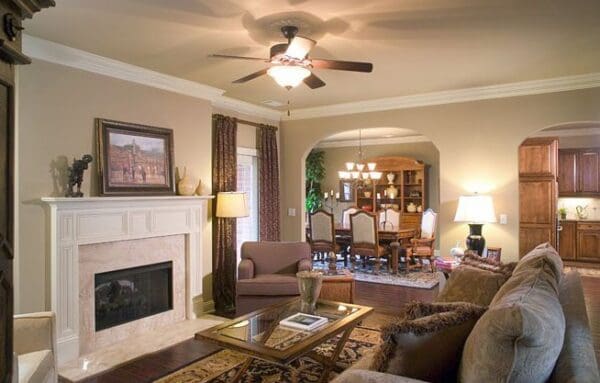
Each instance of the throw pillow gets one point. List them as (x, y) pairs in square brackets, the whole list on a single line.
[(473, 285), (474, 260), (519, 338), (426, 342)]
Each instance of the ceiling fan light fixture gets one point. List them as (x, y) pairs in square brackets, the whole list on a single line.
[(288, 76)]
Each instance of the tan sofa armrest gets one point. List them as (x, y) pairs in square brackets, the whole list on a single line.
[(246, 269), (34, 332), (305, 265)]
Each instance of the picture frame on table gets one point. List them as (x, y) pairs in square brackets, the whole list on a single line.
[(494, 253), (134, 159)]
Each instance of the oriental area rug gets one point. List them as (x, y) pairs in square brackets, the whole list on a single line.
[(222, 366)]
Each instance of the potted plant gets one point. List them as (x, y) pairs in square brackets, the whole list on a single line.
[(562, 212), (315, 173)]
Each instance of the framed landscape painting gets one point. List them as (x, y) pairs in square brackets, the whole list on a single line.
[(134, 159)]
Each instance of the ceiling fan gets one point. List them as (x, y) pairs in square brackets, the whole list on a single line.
[(291, 65)]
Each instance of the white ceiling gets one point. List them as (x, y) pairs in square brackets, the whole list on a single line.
[(371, 133), (416, 46)]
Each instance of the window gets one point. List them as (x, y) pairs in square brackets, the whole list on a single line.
[(247, 181)]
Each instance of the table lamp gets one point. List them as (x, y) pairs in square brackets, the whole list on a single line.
[(475, 210), (232, 205)]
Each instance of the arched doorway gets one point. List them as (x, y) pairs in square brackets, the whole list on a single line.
[(559, 190)]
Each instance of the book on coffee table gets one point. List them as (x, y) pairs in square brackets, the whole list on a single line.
[(303, 321)]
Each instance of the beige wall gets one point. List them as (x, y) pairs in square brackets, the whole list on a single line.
[(477, 142), (335, 158), (56, 123)]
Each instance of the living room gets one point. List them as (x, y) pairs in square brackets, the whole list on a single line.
[(183, 178)]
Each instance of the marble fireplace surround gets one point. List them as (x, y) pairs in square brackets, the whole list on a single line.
[(76, 223)]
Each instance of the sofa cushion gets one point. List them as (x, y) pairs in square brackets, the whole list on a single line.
[(474, 260), (519, 338), (269, 284), (545, 252), (275, 257), (35, 366), (426, 342), (473, 285), (577, 360)]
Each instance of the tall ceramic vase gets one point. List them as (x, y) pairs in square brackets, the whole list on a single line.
[(309, 283)]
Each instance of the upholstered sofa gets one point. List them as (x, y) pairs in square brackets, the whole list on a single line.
[(35, 348), (267, 273), (576, 361)]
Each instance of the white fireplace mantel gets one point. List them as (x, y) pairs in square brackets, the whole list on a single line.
[(81, 221)]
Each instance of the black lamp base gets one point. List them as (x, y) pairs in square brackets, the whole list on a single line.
[(475, 240)]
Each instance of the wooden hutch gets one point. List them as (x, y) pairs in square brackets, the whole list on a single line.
[(405, 190)]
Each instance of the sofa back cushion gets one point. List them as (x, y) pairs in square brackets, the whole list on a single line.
[(275, 257), (473, 285), (519, 338)]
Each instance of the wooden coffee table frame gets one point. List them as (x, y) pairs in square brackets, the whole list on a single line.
[(303, 347)]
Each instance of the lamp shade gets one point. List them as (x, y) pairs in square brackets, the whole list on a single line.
[(475, 209), (232, 205)]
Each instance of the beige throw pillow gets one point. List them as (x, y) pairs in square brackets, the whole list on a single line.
[(426, 342), (519, 338), (473, 285)]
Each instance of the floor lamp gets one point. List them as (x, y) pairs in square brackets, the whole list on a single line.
[(230, 206)]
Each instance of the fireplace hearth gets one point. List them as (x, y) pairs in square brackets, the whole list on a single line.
[(130, 294)]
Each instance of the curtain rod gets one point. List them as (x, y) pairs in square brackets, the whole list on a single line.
[(246, 122)]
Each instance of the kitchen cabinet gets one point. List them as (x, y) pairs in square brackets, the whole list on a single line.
[(588, 171), (588, 242), (568, 177), (579, 172), (538, 157), (567, 242)]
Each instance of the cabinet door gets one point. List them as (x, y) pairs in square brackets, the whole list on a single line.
[(538, 157), (532, 235), (589, 167), (567, 172), (588, 246), (567, 240), (537, 201)]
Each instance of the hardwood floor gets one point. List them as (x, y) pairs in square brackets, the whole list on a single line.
[(154, 366)]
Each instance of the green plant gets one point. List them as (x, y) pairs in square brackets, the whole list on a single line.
[(562, 211), (315, 173)]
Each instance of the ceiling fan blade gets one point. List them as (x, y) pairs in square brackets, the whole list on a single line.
[(299, 47), (238, 57), (353, 66), (313, 81), (251, 76)]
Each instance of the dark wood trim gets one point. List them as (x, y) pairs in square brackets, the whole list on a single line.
[(12, 55), (255, 124)]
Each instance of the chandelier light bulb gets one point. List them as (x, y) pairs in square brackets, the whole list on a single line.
[(355, 175), (371, 166), (360, 167), (288, 76), (349, 166)]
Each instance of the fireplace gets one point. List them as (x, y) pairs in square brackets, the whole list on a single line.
[(125, 295)]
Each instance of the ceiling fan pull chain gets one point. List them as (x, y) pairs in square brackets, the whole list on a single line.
[(288, 108)]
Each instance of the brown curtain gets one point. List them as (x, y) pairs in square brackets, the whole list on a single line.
[(268, 181), (224, 178)]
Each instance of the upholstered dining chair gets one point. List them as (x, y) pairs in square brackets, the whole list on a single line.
[(322, 234), (365, 239), (346, 213), (389, 219), (344, 241), (422, 246)]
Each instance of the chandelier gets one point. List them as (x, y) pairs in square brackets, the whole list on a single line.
[(357, 170)]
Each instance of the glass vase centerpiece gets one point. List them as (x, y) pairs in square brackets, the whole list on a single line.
[(309, 284)]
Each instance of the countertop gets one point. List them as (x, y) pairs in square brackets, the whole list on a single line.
[(581, 220)]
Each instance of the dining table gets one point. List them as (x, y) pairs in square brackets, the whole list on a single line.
[(397, 239)]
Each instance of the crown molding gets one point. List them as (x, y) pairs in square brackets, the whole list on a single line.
[(45, 50), (523, 88), (372, 141)]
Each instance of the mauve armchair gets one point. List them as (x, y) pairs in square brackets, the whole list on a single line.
[(267, 273)]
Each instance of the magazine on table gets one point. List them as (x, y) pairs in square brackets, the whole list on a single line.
[(303, 321)]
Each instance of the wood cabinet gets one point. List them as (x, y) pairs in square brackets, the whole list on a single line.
[(579, 172), (409, 186), (538, 157), (588, 242), (568, 178), (538, 192), (567, 241)]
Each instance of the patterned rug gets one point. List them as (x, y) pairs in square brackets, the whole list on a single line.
[(416, 279), (222, 366), (585, 272)]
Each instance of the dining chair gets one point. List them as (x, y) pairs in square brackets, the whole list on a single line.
[(422, 246), (346, 213), (322, 234), (389, 219), (365, 239)]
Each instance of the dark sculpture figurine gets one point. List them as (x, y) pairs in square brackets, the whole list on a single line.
[(76, 175)]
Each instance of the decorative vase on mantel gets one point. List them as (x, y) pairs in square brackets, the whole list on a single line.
[(309, 283), (186, 186)]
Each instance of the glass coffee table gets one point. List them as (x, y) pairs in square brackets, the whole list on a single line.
[(260, 336)]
